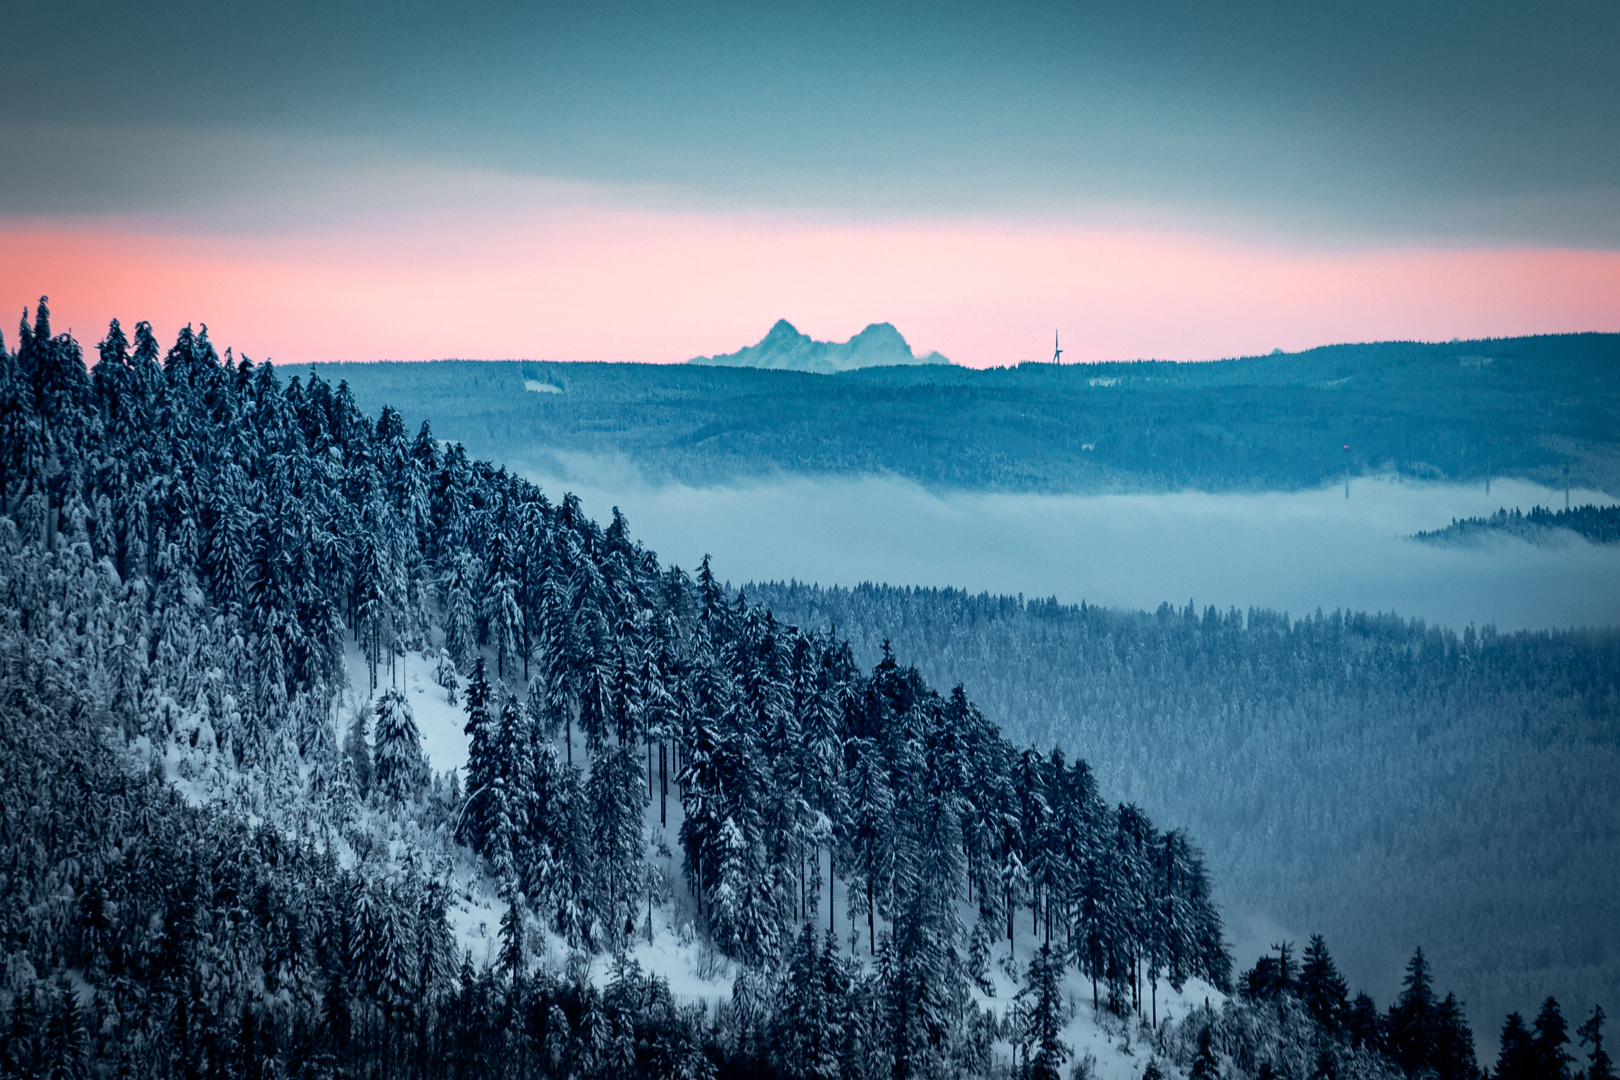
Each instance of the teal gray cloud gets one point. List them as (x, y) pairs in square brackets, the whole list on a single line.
[(1383, 121)]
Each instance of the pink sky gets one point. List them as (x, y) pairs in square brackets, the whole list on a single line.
[(599, 282)]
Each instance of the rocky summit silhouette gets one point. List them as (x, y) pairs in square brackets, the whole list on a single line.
[(786, 349)]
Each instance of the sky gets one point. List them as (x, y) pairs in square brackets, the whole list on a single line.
[(650, 182)]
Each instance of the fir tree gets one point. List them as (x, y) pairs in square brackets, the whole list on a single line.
[(514, 960), (483, 762), (357, 745), (401, 770), (616, 800), (1047, 1015), (1321, 988), (1516, 1058), (1547, 1047), (1454, 1057), (871, 860), (1591, 1034), (1414, 1027), (1205, 1065)]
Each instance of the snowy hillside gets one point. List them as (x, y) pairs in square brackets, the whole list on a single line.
[(329, 751), (1110, 1046)]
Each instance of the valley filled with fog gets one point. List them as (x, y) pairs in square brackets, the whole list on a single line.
[(1287, 551)]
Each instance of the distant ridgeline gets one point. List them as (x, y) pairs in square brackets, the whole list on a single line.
[(196, 879), (1332, 763), (1599, 524), (1529, 407)]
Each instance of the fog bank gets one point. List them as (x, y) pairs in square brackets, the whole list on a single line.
[(1290, 551)]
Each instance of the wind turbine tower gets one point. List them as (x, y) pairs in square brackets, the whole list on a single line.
[(1057, 353)]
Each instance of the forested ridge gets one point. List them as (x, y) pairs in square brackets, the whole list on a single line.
[(1599, 524), (1385, 780), (1543, 408), (198, 877)]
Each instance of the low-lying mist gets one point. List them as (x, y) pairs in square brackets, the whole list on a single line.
[(1289, 551)]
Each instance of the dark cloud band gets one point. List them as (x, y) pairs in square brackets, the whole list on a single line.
[(1485, 121)]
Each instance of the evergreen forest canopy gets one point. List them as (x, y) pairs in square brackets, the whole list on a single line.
[(1369, 776), (198, 879), (1546, 409), (1599, 524)]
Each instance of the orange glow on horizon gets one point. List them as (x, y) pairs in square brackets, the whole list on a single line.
[(661, 286)]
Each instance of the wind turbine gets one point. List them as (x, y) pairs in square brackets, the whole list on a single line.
[(1057, 353)]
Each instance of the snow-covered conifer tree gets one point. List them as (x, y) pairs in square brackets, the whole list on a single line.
[(401, 770)]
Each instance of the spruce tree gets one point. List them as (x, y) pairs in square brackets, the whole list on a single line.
[(1413, 1020), (460, 622), (617, 800), (739, 917), (871, 860), (1516, 1058), (569, 836), (357, 746), (699, 780), (483, 764), (809, 1029), (1321, 988), (1363, 1023), (1047, 1015), (1454, 1057), (505, 619), (250, 523), (1205, 1065), (1547, 1048), (446, 675), (511, 789), (514, 959), (1591, 1034), (401, 770)]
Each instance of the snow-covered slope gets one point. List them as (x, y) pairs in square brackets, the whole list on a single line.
[(1104, 1045)]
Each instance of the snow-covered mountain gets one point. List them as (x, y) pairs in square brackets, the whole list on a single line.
[(786, 349)]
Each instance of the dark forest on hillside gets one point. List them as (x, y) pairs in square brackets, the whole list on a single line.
[(187, 547)]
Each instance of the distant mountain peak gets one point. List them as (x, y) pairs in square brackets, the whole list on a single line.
[(781, 335), (785, 348)]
